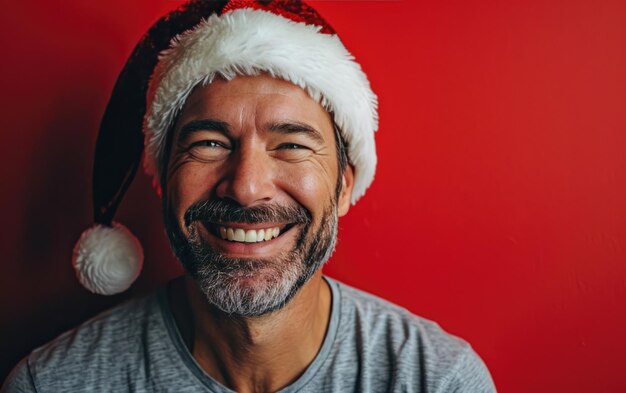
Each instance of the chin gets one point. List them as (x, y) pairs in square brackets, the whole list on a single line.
[(252, 293)]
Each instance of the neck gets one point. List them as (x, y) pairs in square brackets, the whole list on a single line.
[(250, 354)]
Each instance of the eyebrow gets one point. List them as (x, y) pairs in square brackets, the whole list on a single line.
[(294, 127), (203, 125)]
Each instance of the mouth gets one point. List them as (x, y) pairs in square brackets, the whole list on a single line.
[(247, 233)]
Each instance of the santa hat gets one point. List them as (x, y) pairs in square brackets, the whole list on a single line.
[(192, 45)]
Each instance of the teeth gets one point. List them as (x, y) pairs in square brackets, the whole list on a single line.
[(249, 236), (240, 235)]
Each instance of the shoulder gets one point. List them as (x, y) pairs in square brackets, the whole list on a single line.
[(89, 354), (415, 350), (379, 319), (20, 379)]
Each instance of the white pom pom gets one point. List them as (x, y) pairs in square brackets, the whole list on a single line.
[(107, 260)]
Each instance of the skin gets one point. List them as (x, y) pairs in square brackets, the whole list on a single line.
[(255, 162)]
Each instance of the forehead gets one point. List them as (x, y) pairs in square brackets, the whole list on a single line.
[(261, 97)]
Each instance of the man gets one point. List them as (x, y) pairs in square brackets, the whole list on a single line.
[(259, 128)]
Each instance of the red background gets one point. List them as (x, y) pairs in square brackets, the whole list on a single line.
[(499, 205)]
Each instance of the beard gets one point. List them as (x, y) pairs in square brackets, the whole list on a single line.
[(251, 286)]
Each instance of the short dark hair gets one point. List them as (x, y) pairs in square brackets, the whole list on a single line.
[(342, 158)]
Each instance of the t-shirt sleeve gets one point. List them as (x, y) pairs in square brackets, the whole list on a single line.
[(20, 380), (470, 375)]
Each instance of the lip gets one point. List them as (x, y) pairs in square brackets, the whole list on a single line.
[(268, 248)]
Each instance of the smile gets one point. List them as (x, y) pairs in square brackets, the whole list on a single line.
[(246, 235)]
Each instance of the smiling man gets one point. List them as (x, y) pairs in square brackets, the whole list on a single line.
[(254, 185), (259, 128)]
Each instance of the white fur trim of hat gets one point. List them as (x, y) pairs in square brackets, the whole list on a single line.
[(248, 42)]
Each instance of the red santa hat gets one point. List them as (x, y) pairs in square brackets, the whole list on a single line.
[(193, 45)]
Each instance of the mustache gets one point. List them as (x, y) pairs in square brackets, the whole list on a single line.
[(223, 210)]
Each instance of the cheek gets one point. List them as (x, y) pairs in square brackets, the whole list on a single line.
[(311, 188), (186, 187)]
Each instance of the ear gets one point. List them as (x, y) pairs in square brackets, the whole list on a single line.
[(345, 196)]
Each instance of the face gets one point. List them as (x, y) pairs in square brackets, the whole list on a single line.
[(251, 191)]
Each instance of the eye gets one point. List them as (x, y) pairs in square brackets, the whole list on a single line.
[(209, 150), (207, 144), (292, 152), (291, 146)]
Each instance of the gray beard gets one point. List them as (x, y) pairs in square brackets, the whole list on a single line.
[(253, 287)]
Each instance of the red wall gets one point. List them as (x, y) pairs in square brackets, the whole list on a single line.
[(499, 205)]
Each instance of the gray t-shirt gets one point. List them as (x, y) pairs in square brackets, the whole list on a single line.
[(371, 346)]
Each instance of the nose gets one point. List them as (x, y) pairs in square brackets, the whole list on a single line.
[(249, 177)]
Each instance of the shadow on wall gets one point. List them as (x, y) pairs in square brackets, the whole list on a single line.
[(41, 298)]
